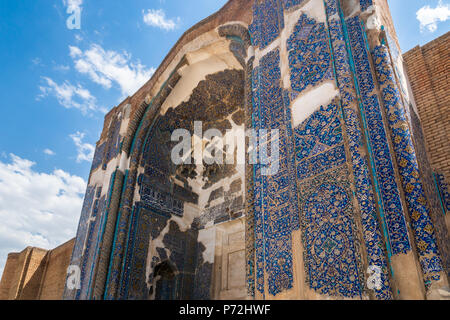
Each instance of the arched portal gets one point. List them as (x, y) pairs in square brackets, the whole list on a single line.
[(165, 282), (349, 194), (171, 211)]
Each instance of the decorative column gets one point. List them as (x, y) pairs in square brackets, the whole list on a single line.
[(417, 203), (350, 103)]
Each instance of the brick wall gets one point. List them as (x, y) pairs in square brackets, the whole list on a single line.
[(54, 279), (30, 281), (428, 70), (9, 274), (36, 274)]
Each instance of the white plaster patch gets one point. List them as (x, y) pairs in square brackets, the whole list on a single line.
[(124, 162), (373, 22), (402, 76), (259, 54), (203, 62), (250, 53), (230, 23), (201, 41), (290, 20), (208, 238), (125, 116), (316, 10), (305, 105), (191, 211), (355, 5)]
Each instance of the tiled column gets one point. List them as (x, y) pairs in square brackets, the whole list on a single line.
[(418, 207), (364, 189), (406, 276), (275, 195)]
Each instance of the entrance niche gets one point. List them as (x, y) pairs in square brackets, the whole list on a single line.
[(165, 283), (179, 208)]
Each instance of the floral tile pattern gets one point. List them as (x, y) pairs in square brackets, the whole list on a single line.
[(405, 153)]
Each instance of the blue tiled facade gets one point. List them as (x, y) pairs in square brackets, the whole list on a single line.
[(309, 54), (365, 4), (275, 214), (332, 258), (382, 154), (268, 21), (288, 4), (349, 177), (359, 161)]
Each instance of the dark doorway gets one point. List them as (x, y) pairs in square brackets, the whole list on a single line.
[(165, 282)]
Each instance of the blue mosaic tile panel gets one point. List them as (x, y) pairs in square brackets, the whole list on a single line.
[(288, 4), (309, 54), (113, 278), (114, 139), (83, 224), (430, 185), (292, 171), (275, 216), (408, 166), (268, 21), (353, 128), (319, 142), (258, 214), (82, 233), (98, 156), (331, 8), (393, 208), (332, 258), (134, 286), (94, 235), (159, 199), (365, 4)]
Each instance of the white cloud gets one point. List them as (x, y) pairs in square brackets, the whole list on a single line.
[(49, 152), (108, 67), (85, 150), (429, 17), (157, 18), (62, 68), (36, 209), (75, 51), (37, 61), (70, 96)]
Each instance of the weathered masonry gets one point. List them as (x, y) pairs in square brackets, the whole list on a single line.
[(428, 73), (36, 274), (353, 211)]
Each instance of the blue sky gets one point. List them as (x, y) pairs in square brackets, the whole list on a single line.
[(56, 85)]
